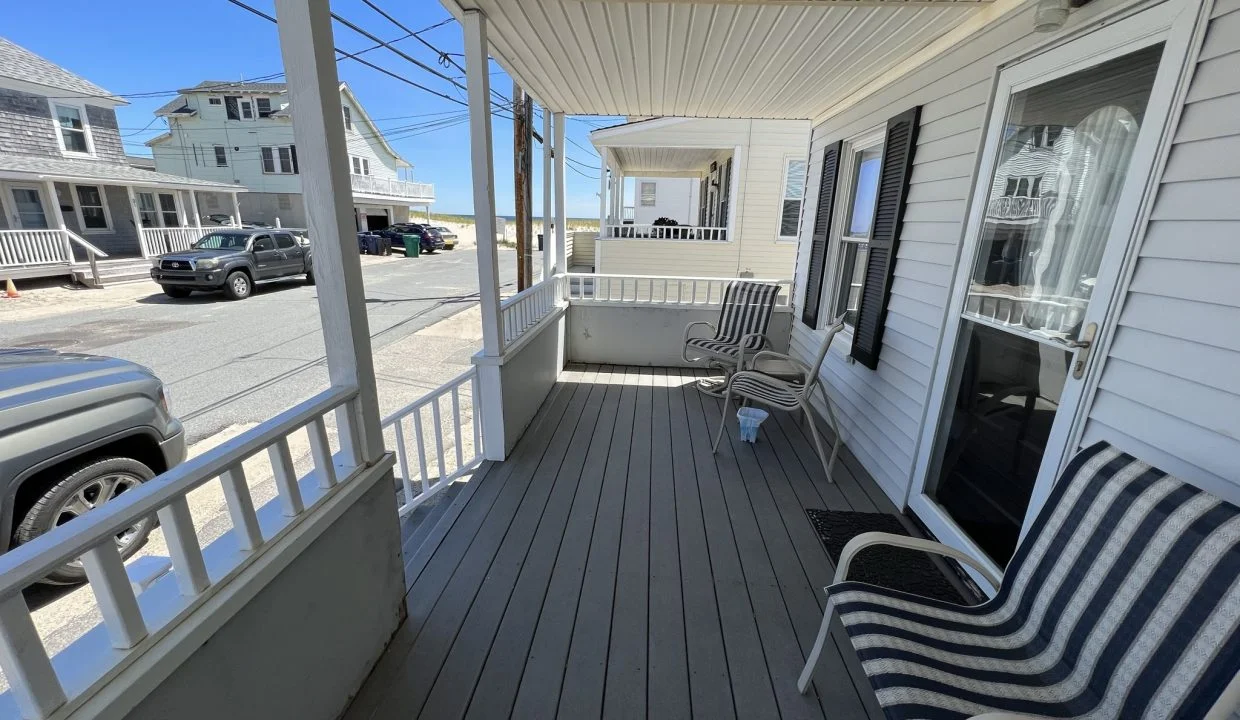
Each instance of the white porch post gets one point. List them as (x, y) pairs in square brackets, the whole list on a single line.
[(305, 28), (59, 217), (548, 242), (193, 206), (477, 78), (561, 223), (237, 206), (602, 193), (137, 222), (182, 216)]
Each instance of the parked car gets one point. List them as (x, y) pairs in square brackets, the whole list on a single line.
[(449, 237), (79, 430), (219, 218), (232, 261), (429, 239)]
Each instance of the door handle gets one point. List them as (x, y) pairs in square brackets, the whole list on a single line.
[(1083, 345)]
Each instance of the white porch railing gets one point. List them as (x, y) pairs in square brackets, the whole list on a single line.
[(700, 233), (525, 309), (23, 248), (157, 241), (395, 188), (658, 289), (627, 213), (1017, 208), (41, 685), (415, 464), (1059, 315)]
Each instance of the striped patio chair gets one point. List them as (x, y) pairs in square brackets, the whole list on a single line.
[(1123, 601), (741, 329)]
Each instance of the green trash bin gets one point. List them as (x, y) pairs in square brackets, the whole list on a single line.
[(413, 245)]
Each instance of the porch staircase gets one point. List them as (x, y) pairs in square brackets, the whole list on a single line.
[(112, 272)]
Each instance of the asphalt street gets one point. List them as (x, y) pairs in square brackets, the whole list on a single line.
[(228, 363)]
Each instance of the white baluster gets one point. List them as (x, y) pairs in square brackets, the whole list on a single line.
[(187, 563), (241, 508), (285, 477), (417, 429), (321, 450), (443, 461), (24, 660), (114, 595), (402, 456)]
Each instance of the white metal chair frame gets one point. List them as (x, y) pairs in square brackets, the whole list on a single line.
[(788, 395), (724, 359)]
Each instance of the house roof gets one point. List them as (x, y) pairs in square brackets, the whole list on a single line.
[(221, 86), (18, 63), (176, 106), (72, 169)]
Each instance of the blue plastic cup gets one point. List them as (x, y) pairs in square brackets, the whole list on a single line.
[(750, 418)]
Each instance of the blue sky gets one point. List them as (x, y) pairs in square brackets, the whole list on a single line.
[(140, 46)]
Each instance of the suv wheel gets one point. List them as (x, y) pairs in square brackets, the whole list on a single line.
[(176, 292), (237, 286), (84, 488)]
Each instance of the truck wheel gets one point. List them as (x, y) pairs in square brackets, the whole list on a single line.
[(177, 292), (83, 488), (237, 286)]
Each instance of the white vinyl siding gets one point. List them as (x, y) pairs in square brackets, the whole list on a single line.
[(882, 410), (1170, 389), (757, 173)]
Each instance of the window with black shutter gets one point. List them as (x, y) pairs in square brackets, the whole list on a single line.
[(231, 107), (897, 165), (818, 242)]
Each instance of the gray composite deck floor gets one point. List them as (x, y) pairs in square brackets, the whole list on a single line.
[(613, 567)]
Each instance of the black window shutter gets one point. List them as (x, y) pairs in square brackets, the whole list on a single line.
[(292, 151), (822, 228), (885, 236)]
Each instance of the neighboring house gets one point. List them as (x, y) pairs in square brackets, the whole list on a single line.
[(736, 187), (66, 183), (239, 132)]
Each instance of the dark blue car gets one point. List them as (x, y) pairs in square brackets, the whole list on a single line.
[(429, 238)]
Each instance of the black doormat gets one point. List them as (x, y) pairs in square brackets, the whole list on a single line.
[(902, 569)]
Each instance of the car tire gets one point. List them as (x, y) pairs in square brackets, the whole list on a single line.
[(177, 292), (78, 491), (238, 286), (309, 276)]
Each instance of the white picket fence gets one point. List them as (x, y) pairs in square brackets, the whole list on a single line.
[(432, 447)]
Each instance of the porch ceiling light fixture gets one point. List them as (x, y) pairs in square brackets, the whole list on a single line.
[(1050, 15)]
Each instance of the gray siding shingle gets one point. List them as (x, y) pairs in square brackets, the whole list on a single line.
[(26, 124)]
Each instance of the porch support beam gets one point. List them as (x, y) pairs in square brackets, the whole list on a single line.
[(306, 45), (549, 249), (478, 84), (602, 192), (237, 206), (59, 217), (193, 206), (137, 221), (561, 222)]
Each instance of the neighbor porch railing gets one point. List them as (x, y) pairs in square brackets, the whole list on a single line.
[(395, 188), (429, 464), (701, 233), (33, 251), (658, 289), (157, 241), (528, 307), (42, 685)]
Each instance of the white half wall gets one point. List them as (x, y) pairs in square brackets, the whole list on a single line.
[(651, 335), (529, 373)]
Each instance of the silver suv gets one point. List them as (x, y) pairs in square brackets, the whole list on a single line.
[(75, 432)]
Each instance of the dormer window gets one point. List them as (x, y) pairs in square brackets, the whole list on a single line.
[(215, 101), (73, 130), (348, 117), (263, 105)]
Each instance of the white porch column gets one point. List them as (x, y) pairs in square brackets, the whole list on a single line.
[(602, 193), (548, 242), (306, 45), (193, 206), (59, 217), (237, 206), (137, 223), (182, 215), (482, 167), (561, 222)]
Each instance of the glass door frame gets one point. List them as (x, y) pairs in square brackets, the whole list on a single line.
[(15, 215), (1174, 23)]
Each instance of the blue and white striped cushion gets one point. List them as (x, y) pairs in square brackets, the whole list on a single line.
[(747, 308), (1122, 602)]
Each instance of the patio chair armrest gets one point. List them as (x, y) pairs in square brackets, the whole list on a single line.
[(867, 539), (745, 341), (690, 326), (753, 361)]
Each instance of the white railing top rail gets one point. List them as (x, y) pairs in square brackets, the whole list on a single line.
[(30, 562), (645, 231), (429, 397), (38, 247), (525, 310), (88, 247), (662, 290)]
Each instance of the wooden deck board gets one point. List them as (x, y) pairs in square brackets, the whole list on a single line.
[(614, 567)]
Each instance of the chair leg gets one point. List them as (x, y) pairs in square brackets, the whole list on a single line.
[(813, 430), (835, 428), (811, 663), (723, 419)]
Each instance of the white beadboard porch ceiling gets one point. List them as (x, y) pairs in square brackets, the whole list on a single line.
[(740, 59), (664, 160)]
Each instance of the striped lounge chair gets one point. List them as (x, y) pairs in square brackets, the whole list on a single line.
[(740, 330), (1123, 601)]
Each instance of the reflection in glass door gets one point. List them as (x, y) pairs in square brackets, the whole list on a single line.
[(28, 207), (1065, 150)]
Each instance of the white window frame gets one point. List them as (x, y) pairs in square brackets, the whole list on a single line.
[(258, 113), (841, 215), (81, 217), (654, 193), (213, 100), (348, 117), (783, 198), (277, 163), (215, 151), (365, 166), (245, 108), (60, 139), (182, 220)]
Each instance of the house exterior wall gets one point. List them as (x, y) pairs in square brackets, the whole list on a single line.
[(26, 124), (883, 411), (757, 170), (289, 208), (1170, 389), (675, 198)]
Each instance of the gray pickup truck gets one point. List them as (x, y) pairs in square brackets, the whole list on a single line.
[(76, 431), (232, 261)]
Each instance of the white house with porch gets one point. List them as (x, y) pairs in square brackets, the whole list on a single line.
[(243, 133), (551, 535), (69, 197), (733, 187)]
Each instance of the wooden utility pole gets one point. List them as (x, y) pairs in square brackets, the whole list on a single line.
[(523, 170)]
